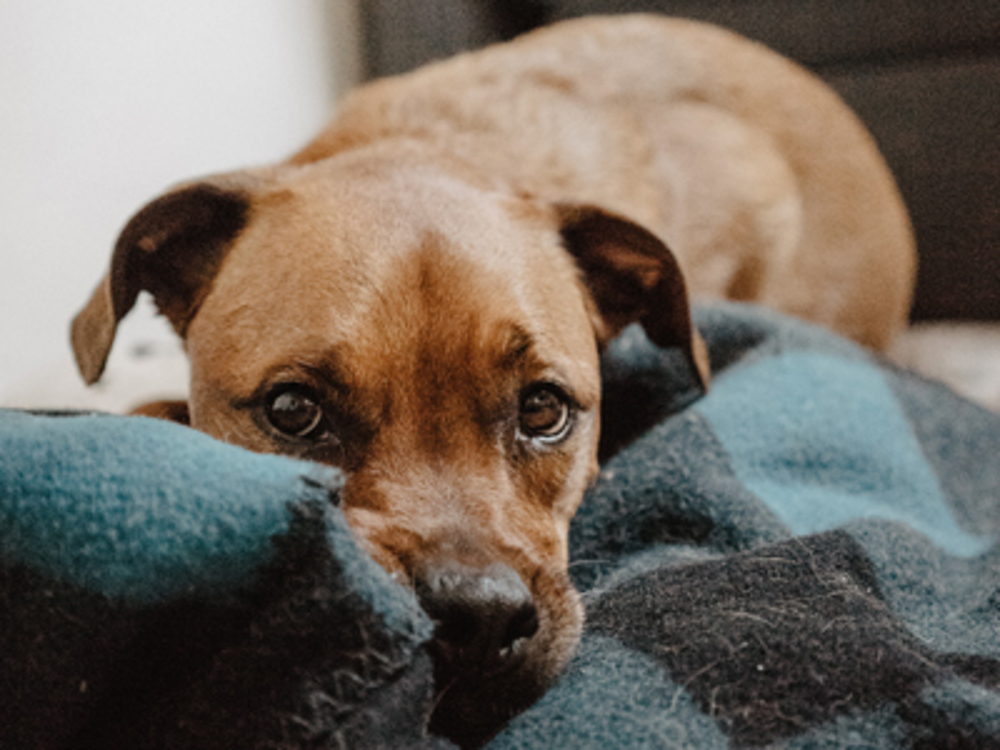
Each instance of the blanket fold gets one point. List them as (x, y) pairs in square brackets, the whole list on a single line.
[(162, 589), (805, 557)]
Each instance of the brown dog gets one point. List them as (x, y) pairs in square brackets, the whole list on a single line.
[(421, 294)]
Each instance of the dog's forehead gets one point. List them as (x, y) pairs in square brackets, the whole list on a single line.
[(356, 222), (379, 264)]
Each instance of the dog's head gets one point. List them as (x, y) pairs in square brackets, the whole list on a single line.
[(436, 339)]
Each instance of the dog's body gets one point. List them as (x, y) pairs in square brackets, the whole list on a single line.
[(421, 294), (755, 175)]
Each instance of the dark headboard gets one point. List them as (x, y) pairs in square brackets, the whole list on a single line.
[(923, 74)]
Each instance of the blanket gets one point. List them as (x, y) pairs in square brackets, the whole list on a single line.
[(805, 557)]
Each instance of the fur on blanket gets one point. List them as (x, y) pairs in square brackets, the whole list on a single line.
[(806, 556)]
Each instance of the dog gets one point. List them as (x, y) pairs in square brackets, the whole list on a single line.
[(420, 296)]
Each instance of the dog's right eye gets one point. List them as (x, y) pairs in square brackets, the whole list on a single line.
[(295, 411), (546, 414)]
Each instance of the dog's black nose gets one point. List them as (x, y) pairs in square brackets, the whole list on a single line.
[(480, 615)]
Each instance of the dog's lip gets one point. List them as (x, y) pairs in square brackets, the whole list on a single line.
[(460, 663), (508, 659)]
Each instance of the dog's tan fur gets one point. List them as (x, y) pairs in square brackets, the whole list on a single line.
[(488, 223)]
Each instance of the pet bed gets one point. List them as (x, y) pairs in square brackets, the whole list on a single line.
[(805, 557)]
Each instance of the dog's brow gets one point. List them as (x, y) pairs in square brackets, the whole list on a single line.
[(329, 370), (517, 344)]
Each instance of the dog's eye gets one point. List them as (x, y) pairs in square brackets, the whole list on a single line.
[(545, 413), (295, 411)]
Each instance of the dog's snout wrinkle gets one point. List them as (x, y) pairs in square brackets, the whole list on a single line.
[(481, 614)]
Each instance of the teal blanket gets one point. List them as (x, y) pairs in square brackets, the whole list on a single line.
[(805, 557)]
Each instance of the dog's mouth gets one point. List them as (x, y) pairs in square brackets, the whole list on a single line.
[(507, 659), (460, 659), (493, 662), (476, 694)]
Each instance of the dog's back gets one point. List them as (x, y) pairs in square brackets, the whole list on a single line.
[(760, 179)]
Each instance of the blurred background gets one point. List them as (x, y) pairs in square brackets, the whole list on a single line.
[(103, 104)]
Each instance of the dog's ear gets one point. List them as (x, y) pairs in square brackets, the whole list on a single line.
[(170, 411), (632, 277), (172, 248)]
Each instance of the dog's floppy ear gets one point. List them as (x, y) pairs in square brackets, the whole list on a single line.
[(173, 248), (170, 411), (632, 276)]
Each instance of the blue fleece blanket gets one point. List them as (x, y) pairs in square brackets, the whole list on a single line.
[(805, 557)]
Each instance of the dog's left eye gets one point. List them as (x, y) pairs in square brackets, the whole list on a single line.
[(295, 411), (545, 413)]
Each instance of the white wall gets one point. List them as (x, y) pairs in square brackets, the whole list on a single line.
[(104, 103)]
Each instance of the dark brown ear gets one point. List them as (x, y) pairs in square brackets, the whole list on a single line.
[(633, 278), (171, 411), (173, 248)]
